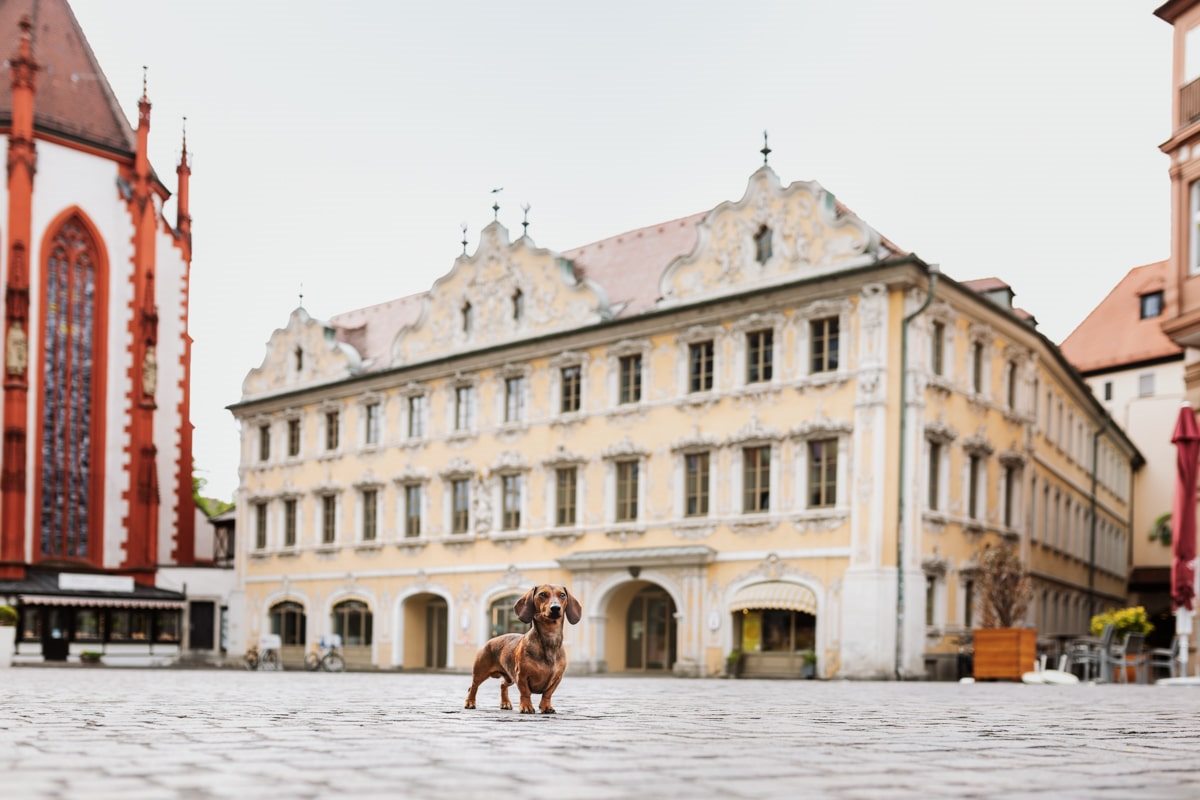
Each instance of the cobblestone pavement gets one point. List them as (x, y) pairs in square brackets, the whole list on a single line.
[(130, 734)]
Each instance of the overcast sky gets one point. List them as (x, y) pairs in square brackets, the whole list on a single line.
[(341, 144)]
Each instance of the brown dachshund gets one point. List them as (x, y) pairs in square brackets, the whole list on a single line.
[(534, 661)]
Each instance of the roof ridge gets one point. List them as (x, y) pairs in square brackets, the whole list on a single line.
[(684, 218)]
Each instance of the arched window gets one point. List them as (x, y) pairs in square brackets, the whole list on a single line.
[(72, 347), (503, 618), (352, 621), (288, 621), (762, 245), (468, 318)]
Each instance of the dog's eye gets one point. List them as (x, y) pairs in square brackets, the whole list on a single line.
[(543, 595), (562, 595)]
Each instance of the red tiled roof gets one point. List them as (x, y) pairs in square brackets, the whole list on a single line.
[(986, 285), (72, 97), (627, 267), (1114, 334)]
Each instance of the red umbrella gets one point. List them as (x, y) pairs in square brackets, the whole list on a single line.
[(1186, 439)]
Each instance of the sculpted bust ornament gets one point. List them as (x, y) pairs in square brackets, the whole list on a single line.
[(149, 372), (16, 357)]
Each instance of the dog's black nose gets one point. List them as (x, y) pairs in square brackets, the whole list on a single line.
[(555, 610)]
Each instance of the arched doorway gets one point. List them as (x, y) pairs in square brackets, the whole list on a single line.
[(353, 621), (775, 628), (288, 621), (640, 630), (426, 632), (502, 618)]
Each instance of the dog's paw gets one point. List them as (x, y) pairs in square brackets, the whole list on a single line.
[(506, 706), (526, 709), (549, 711), (469, 704)]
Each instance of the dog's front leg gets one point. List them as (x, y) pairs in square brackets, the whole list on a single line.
[(547, 704), (526, 695)]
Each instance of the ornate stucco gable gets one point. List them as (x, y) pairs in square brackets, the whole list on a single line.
[(304, 353), (805, 235), (553, 298)]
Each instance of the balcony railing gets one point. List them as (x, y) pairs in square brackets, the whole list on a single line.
[(1189, 103)]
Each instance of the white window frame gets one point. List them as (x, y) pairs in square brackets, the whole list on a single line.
[(620, 350), (802, 329), (557, 364), (741, 330)]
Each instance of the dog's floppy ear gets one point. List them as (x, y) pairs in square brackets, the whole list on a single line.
[(574, 610), (525, 607)]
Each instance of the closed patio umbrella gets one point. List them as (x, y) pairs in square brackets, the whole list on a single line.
[(1186, 439)]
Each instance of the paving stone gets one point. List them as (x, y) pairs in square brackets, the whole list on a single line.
[(200, 735)]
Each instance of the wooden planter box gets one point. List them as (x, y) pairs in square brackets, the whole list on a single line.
[(1004, 654)]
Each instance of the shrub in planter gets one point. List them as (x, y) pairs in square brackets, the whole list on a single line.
[(809, 667), (90, 657), (1003, 650), (8, 635), (8, 617), (733, 662)]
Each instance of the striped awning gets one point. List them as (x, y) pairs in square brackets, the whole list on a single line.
[(775, 595), (97, 602)]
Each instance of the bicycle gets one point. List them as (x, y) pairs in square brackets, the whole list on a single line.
[(326, 656), (264, 656)]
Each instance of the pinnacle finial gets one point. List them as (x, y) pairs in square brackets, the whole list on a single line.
[(301, 294), (496, 203), (145, 80), (26, 25), (183, 158), (766, 149), (525, 222), (464, 239)]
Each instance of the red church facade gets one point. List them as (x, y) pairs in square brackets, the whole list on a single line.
[(96, 462)]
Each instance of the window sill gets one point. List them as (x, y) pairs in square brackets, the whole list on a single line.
[(940, 383), (820, 520), (626, 409), (412, 543), (374, 544), (326, 548), (757, 389), (564, 535), (817, 379), (513, 427), (625, 532), (288, 552), (461, 436), (259, 554), (700, 398), (693, 528), (415, 442), (569, 418), (759, 522), (330, 455)]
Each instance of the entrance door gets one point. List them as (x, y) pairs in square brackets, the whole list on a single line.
[(200, 625), (55, 636), (650, 631), (437, 623)]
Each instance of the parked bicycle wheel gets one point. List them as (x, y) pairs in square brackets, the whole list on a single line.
[(332, 662), (312, 662)]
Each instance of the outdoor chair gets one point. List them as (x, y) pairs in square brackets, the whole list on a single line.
[(1130, 654), (1092, 654), (1167, 658)]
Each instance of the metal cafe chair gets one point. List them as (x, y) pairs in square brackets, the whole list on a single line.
[(1130, 654), (1167, 658), (1093, 654)]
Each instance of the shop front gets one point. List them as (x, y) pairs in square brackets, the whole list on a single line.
[(775, 628), (64, 615)]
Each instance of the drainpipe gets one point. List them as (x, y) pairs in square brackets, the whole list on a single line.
[(933, 277), (1092, 547)]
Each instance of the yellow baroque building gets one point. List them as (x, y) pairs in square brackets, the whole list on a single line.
[(697, 427)]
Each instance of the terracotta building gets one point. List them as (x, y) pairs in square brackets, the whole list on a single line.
[(708, 428), (96, 464), (1136, 371)]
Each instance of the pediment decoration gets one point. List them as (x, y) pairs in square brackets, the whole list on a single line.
[(556, 298), (809, 236), (1012, 458), (754, 431), (978, 444), (695, 441), (412, 474), (624, 449), (510, 461), (458, 467), (629, 347), (938, 431), (563, 457), (304, 353), (821, 427)]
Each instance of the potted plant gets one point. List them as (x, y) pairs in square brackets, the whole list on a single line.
[(1124, 621), (1003, 649), (808, 667), (733, 662), (8, 635), (90, 657)]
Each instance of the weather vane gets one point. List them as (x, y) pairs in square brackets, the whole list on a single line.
[(302, 294), (525, 222), (766, 150), (464, 239), (496, 203)]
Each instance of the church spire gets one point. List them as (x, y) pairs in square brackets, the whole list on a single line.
[(183, 219), (141, 164)]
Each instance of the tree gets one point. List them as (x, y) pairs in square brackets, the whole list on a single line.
[(1004, 586)]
